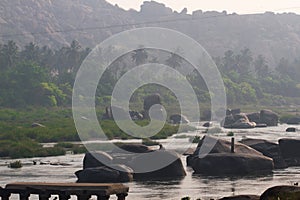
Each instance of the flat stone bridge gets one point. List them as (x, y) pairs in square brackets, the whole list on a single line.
[(83, 191)]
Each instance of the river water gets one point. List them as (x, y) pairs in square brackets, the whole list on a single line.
[(194, 186)]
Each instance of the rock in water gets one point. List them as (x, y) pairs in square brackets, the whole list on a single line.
[(242, 197), (291, 129), (269, 117), (290, 149), (233, 164), (240, 121), (281, 192), (112, 174), (207, 124), (132, 148), (96, 159), (269, 149), (151, 160), (220, 160)]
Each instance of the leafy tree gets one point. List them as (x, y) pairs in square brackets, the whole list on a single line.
[(261, 67), (139, 56)]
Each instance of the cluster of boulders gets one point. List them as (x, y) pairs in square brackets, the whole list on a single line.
[(149, 101), (100, 167), (236, 119), (250, 156)]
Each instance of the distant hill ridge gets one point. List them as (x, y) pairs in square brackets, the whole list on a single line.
[(58, 22)]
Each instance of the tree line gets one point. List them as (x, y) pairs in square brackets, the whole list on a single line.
[(41, 76)]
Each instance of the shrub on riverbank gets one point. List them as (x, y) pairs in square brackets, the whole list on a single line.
[(16, 164), (27, 149)]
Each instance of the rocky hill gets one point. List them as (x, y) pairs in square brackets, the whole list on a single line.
[(58, 22)]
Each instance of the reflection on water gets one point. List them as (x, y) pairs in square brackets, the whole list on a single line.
[(195, 186)]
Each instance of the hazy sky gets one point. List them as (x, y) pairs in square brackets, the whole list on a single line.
[(238, 6)]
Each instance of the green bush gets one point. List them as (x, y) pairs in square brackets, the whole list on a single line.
[(15, 164)]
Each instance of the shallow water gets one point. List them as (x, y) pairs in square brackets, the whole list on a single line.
[(194, 186)]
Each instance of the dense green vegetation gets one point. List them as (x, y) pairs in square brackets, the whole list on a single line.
[(40, 76), (19, 139), (36, 86)]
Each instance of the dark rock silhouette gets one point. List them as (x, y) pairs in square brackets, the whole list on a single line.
[(241, 197), (290, 149), (150, 101), (269, 117), (268, 149), (291, 129), (281, 192), (105, 174), (173, 170), (96, 159), (207, 124), (220, 160), (232, 164)]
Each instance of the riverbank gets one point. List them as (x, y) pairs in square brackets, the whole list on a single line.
[(23, 131)]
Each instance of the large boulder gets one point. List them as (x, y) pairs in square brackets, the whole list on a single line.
[(104, 174), (239, 121), (269, 117), (142, 163), (281, 192), (224, 146), (241, 197), (178, 118), (232, 164), (220, 160), (254, 117), (220, 146), (96, 159), (290, 149), (268, 149)]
